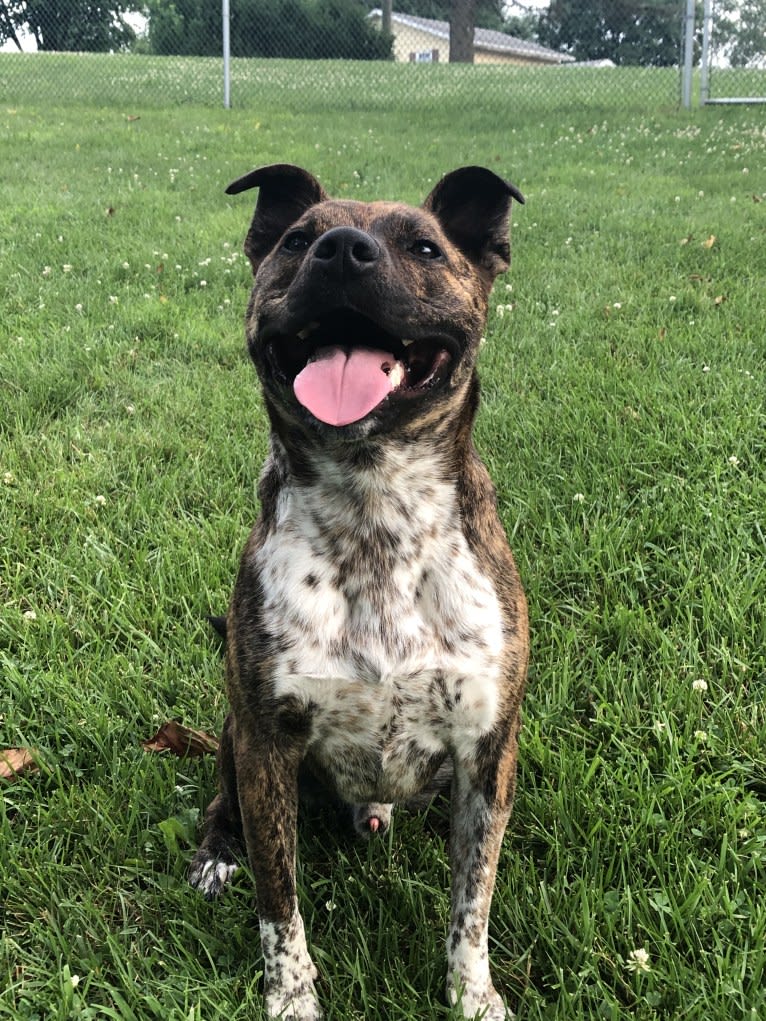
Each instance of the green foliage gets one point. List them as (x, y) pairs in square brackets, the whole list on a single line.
[(743, 38), (85, 25), (488, 13), (267, 28), (646, 33)]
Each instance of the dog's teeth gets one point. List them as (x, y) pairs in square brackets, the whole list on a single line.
[(395, 373), (407, 342)]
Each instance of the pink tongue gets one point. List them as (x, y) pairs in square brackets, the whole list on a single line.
[(342, 386)]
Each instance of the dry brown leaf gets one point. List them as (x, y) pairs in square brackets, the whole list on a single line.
[(180, 740), (709, 242), (757, 198), (719, 299), (15, 761)]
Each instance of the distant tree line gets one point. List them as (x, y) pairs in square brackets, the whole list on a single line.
[(267, 28), (68, 24), (629, 32)]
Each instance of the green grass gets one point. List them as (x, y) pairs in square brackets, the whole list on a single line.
[(624, 422), (367, 86)]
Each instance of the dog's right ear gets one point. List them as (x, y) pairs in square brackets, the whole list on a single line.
[(286, 192)]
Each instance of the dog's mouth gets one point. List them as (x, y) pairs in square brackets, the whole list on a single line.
[(343, 366)]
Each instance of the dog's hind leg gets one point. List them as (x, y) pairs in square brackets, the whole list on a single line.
[(222, 846)]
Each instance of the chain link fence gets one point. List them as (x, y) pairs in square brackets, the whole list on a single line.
[(342, 53), (733, 62)]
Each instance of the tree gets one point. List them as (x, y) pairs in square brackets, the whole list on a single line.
[(647, 32), (745, 40), (74, 25), (462, 26), (488, 13), (312, 29)]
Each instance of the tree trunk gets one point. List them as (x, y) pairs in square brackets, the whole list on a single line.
[(461, 20)]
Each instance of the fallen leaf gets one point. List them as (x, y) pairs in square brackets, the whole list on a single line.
[(181, 741), (134, 117), (719, 299), (709, 242), (15, 761), (686, 240), (663, 332), (757, 198)]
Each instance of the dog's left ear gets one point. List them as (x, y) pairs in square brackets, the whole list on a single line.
[(285, 193), (473, 206)]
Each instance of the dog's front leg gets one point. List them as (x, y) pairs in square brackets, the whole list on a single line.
[(481, 806), (267, 777)]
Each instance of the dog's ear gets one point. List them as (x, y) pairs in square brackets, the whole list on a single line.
[(286, 192), (473, 206)]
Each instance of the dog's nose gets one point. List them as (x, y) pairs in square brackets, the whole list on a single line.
[(346, 250)]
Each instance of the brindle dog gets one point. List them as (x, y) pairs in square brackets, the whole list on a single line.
[(378, 628)]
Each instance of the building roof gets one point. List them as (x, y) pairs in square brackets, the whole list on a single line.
[(486, 39)]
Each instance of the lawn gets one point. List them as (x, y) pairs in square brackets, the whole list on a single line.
[(624, 422)]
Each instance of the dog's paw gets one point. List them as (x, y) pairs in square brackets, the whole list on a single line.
[(210, 874), (484, 1003), (371, 817), (297, 1006)]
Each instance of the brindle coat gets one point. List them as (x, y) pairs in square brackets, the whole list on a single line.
[(378, 628)]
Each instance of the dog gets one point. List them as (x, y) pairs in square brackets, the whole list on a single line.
[(378, 627)]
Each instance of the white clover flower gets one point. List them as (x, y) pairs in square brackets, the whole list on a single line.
[(30, 615), (203, 283), (699, 685), (9, 479), (100, 500), (638, 960), (579, 498), (47, 271), (113, 299), (700, 735), (734, 460), (78, 307), (67, 267)]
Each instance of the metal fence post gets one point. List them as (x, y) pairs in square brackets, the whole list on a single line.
[(226, 55), (707, 19), (686, 86)]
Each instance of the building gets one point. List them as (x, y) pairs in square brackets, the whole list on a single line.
[(419, 39)]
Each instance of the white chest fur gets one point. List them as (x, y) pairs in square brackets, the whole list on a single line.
[(382, 624)]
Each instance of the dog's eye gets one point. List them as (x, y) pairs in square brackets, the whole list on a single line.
[(426, 249), (297, 241)]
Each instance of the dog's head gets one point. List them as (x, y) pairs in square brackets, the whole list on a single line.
[(361, 313)]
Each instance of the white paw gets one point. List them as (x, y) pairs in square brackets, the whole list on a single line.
[(482, 1003), (211, 875), (296, 1006)]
